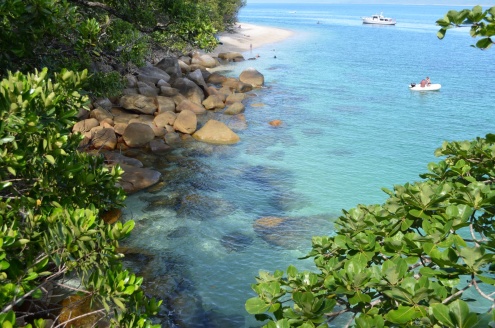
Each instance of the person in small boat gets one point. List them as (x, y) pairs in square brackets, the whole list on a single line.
[(423, 83), (428, 82)]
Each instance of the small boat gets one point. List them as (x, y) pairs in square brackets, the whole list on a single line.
[(429, 87), (379, 20)]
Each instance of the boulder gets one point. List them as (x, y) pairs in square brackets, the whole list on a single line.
[(170, 65), (152, 74), (234, 109), (186, 122), (213, 102), (122, 116), (165, 104), (216, 78), (139, 103), (189, 89), (104, 138), (147, 90), (164, 119), (253, 77), (104, 103), (235, 97), (185, 59), (216, 132), (197, 77), (231, 56), (138, 135), (184, 68), (168, 91), (134, 178), (158, 145), (204, 60), (117, 158), (189, 105), (85, 125), (101, 115)]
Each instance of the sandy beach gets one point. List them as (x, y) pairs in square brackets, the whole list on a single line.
[(249, 36)]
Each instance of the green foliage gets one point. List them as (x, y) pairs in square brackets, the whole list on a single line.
[(50, 199), (411, 261), (80, 34), (482, 24)]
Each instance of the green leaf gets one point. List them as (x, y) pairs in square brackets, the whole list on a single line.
[(402, 315), (50, 159), (118, 302), (441, 313), (255, 305), (484, 43)]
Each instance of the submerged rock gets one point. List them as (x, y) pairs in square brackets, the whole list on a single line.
[(236, 241)]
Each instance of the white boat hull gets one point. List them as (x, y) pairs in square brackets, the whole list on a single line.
[(431, 87), (378, 22)]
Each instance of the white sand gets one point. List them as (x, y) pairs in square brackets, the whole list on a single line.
[(249, 36)]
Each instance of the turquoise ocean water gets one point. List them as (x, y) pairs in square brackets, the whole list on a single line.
[(350, 127)]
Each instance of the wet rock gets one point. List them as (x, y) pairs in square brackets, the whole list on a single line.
[(138, 135), (135, 179), (216, 132), (234, 109), (253, 77)]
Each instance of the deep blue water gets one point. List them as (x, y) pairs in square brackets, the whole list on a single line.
[(350, 127)]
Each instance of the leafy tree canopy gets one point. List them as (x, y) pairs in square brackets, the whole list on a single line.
[(424, 258), (51, 198), (106, 35), (482, 24)]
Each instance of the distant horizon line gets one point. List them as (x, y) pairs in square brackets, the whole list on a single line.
[(363, 3)]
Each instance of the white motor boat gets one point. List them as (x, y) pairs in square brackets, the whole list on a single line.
[(428, 87), (379, 20)]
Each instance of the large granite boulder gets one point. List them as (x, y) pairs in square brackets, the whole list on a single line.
[(253, 77), (235, 108), (170, 65), (206, 61), (136, 178), (213, 102), (231, 56), (165, 104), (186, 122), (189, 89), (139, 103), (138, 135), (147, 90), (197, 77), (85, 125), (216, 132), (235, 97), (192, 106), (104, 138), (216, 78), (152, 74), (164, 119), (102, 115)]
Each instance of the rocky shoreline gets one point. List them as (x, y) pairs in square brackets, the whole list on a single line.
[(164, 105)]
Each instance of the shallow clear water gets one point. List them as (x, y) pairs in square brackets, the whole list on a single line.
[(350, 127)]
